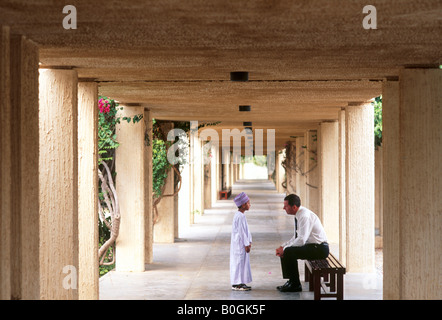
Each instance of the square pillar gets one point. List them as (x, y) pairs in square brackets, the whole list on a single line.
[(391, 176), (214, 168), (328, 158), (58, 184), (300, 170), (360, 187), (130, 185), (164, 227), (312, 177), (281, 171), (413, 145), (88, 190), (207, 188), (342, 189), (24, 150), (148, 192), (5, 165), (292, 168)]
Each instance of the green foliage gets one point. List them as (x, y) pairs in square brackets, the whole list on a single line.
[(108, 119), (377, 104), (160, 165), (260, 161)]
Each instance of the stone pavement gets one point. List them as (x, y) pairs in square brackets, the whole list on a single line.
[(196, 266)]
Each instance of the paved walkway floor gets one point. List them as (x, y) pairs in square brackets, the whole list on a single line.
[(196, 266)]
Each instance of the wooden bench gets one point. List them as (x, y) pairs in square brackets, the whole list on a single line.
[(331, 271), (225, 194)]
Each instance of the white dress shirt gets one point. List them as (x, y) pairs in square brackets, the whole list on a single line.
[(310, 229)]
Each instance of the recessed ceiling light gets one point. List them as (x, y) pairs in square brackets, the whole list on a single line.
[(239, 76)]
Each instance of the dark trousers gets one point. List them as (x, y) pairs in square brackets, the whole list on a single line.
[(289, 262)]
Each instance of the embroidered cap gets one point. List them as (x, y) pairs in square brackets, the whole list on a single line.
[(241, 199)]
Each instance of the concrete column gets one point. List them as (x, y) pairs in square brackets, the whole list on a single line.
[(202, 174), (292, 168), (193, 127), (391, 163), (415, 222), (300, 177), (276, 180), (88, 190), (184, 199), (164, 228), (198, 178), (58, 184), (312, 172), (281, 172), (5, 165), (148, 191), (226, 169), (24, 169), (379, 171), (130, 185), (342, 189), (214, 173), (207, 189), (329, 172), (360, 187)]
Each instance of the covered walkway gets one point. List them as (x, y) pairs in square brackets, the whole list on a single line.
[(290, 80), (196, 266)]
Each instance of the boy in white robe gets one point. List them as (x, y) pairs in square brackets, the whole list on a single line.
[(240, 245)]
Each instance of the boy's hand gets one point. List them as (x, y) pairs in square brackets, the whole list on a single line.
[(248, 248)]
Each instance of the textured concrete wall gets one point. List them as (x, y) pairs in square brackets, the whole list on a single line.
[(312, 165), (164, 228), (88, 190), (130, 184), (360, 188), (391, 178), (342, 190), (420, 183), (292, 172), (25, 181), (5, 165), (329, 177), (300, 178), (58, 184), (148, 218)]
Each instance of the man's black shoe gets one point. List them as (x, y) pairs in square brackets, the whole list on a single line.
[(291, 288), (287, 284)]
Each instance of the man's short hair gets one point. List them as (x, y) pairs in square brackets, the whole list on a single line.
[(293, 200)]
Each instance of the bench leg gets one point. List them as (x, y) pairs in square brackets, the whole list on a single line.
[(340, 291), (325, 276), (306, 272), (317, 285), (332, 282), (308, 277)]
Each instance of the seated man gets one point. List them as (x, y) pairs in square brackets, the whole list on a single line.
[(309, 243)]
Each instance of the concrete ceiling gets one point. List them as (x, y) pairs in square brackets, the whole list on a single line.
[(306, 59)]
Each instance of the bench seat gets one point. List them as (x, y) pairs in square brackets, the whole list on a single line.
[(331, 271)]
